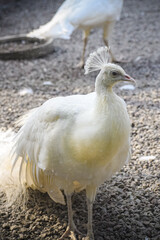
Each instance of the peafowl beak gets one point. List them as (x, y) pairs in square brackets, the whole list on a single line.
[(128, 78)]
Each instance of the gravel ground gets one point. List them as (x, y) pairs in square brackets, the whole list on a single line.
[(127, 206)]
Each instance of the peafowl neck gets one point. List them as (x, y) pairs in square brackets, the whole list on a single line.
[(105, 99)]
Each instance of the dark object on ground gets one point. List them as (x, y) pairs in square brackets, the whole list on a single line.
[(23, 47)]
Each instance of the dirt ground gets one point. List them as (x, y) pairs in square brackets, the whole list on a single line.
[(128, 206)]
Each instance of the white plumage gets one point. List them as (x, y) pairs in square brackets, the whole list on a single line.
[(83, 14), (76, 142)]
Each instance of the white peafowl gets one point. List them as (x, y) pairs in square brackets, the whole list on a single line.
[(82, 14), (76, 142)]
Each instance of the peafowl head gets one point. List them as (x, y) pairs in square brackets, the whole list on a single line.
[(110, 73)]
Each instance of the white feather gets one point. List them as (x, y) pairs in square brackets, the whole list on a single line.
[(25, 91), (147, 158), (127, 87)]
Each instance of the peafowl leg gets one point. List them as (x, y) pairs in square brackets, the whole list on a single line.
[(106, 32), (91, 193), (71, 226), (85, 40)]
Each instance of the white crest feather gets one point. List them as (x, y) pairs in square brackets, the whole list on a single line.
[(97, 60)]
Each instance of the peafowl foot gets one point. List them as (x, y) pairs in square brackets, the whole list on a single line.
[(70, 232), (114, 60), (88, 237), (80, 64)]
